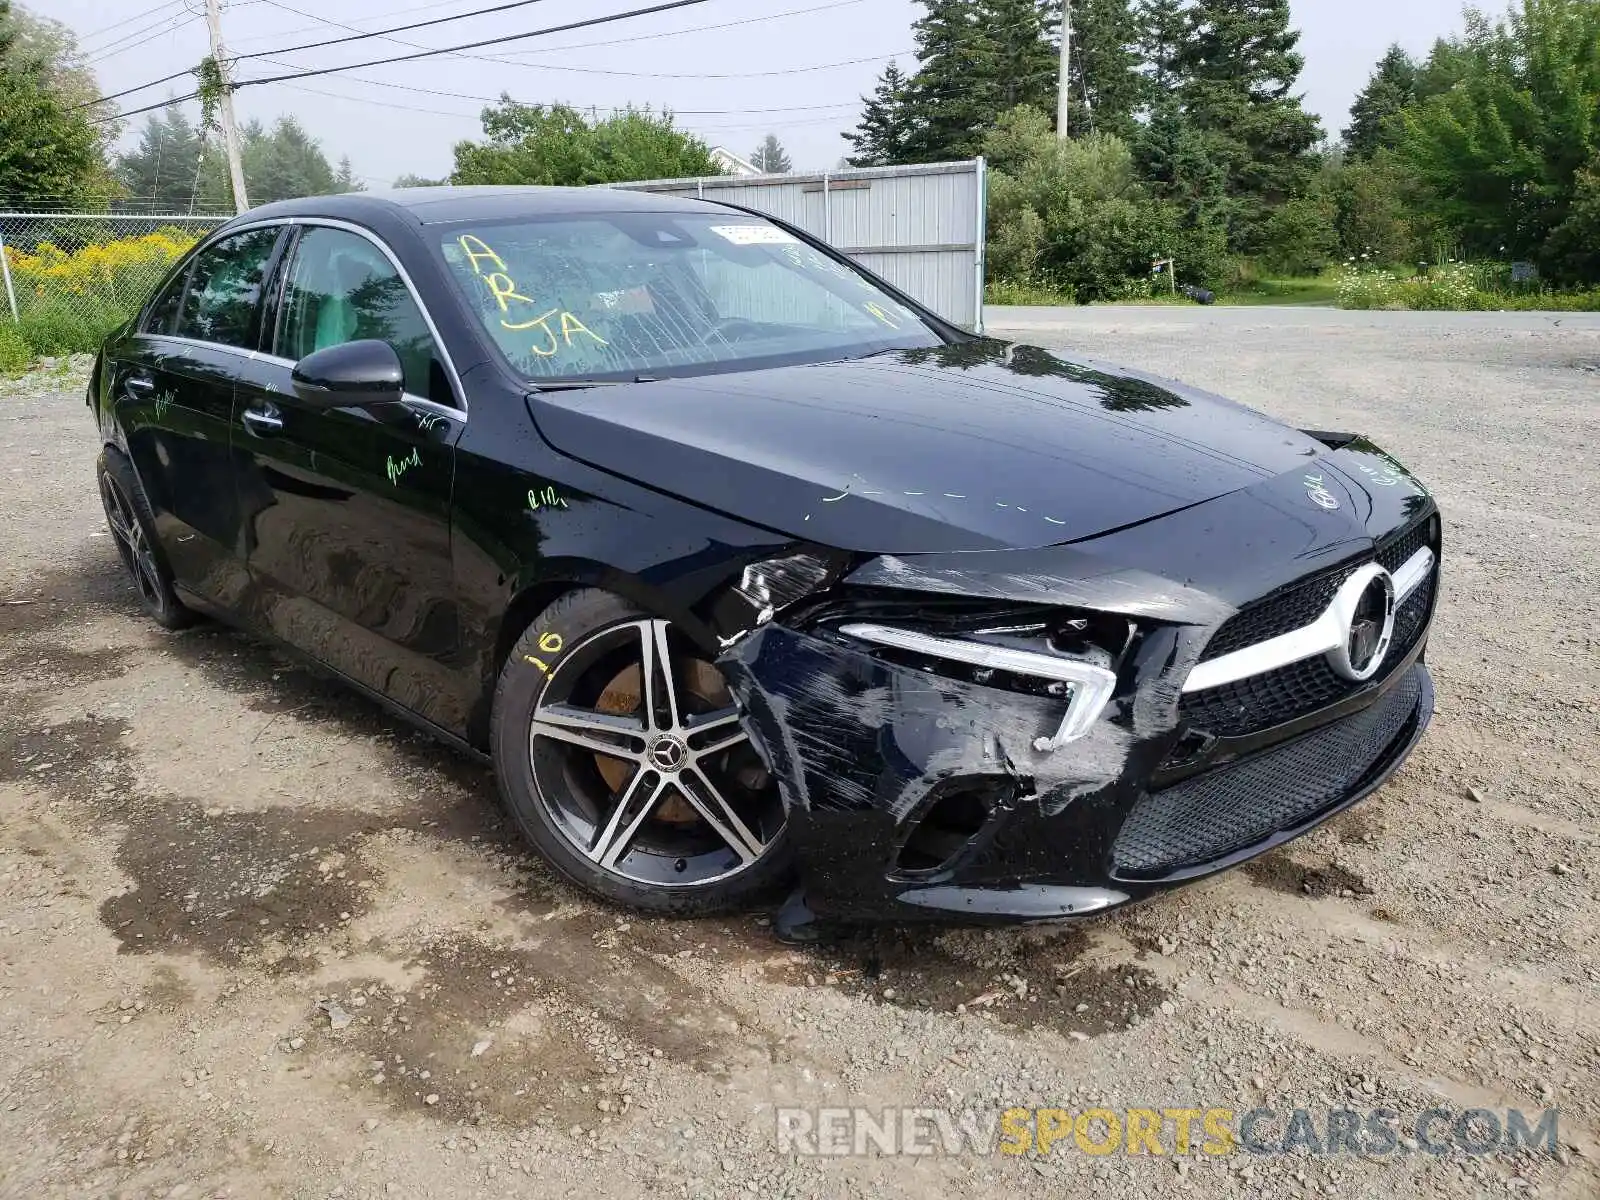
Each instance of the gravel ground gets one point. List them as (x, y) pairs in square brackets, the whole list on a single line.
[(258, 939)]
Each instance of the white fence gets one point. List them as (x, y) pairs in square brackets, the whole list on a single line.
[(919, 227)]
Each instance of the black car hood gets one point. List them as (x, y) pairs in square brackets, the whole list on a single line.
[(975, 446)]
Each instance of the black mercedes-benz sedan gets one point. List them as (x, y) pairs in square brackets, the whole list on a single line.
[(744, 569)]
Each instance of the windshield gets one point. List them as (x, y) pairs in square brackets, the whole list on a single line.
[(640, 294)]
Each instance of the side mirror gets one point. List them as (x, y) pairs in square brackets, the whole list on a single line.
[(351, 375)]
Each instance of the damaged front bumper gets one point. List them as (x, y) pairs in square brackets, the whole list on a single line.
[(912, 794)]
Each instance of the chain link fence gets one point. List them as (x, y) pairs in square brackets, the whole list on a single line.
[(71, 277)]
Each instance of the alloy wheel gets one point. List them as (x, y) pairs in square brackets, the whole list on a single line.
[(132, 544), (639, 757)]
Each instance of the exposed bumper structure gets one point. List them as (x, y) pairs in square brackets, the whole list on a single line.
[(918, 792)]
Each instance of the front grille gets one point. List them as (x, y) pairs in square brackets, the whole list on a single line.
[(1398, 551), (1235, 807), (1262, 701), (1284, 611), (1272, 698), (1303, 601)]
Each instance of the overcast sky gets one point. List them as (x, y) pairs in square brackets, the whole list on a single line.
[(732, 69)]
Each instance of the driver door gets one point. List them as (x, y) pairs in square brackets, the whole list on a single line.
[(347, 511)]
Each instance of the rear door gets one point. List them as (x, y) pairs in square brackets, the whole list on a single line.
[(347, 511), (172, 383)]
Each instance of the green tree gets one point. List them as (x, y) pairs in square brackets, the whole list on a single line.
[(978, 58), (409, 180), (1240, 65), (1502, 151), (770, 158), (345, 178), (162, 172), (1375, 203), (50, 152), (1392, 89), (1163, 28), (1107, 90), (1074, 214), (882, 136), (284, 162), (555, 144)]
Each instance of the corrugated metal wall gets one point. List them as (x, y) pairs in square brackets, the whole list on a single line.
[(920, 227)]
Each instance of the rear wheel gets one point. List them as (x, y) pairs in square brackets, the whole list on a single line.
[(620, 752), (133, 530)]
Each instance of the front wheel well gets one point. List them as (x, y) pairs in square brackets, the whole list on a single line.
[(520, 613)]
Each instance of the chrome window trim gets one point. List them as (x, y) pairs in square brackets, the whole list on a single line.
[(1092, 685), (459, 414), (1324, 635), (422, 402)]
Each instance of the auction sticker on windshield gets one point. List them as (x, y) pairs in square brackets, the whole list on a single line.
[(755, 235)]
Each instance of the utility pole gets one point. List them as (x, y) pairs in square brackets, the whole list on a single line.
[(230, 129), (1064, 90)]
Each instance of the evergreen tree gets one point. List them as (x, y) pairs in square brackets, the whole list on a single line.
[(345, 178), (1392, 88), (882, 136), (769, 157), (978, 58), (1163, 28), (159, 174), (50, 153), (284, 163), (946, 109), (1240, 65), (1107, 89)]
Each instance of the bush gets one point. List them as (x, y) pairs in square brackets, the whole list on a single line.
[(1073, 217), (14, 352), (1454, 287)]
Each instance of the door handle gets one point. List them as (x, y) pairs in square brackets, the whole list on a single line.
[(138, 386), (262, 421)]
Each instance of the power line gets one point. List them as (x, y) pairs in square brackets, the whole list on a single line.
[(360, 35), (515, 61), (89, 37), (122, 45), (377, 62)]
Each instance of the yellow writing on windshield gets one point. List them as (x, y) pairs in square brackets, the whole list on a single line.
[(503, 288), (873, 308), (483, 251)]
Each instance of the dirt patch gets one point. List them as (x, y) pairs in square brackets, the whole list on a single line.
[(556, 1033), (78, 760), (1283, 874), (1055, 982), (259, 885)]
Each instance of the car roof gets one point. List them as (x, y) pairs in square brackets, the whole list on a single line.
[(432, 205)]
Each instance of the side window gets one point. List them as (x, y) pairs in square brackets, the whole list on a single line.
[(225, 289), (342, 288), (164, 311)]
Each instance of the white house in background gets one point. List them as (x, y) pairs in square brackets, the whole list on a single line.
[(731, 163)]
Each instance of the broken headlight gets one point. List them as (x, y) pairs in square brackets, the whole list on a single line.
[(1085, 686)]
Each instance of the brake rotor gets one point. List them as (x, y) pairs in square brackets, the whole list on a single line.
[(702, 684)]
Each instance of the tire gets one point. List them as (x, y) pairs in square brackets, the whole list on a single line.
[(648, 796), (133, 530)]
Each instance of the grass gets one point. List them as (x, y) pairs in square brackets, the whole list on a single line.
[(1304, 291)]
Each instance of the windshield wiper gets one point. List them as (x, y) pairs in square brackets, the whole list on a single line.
[(578, 385)]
